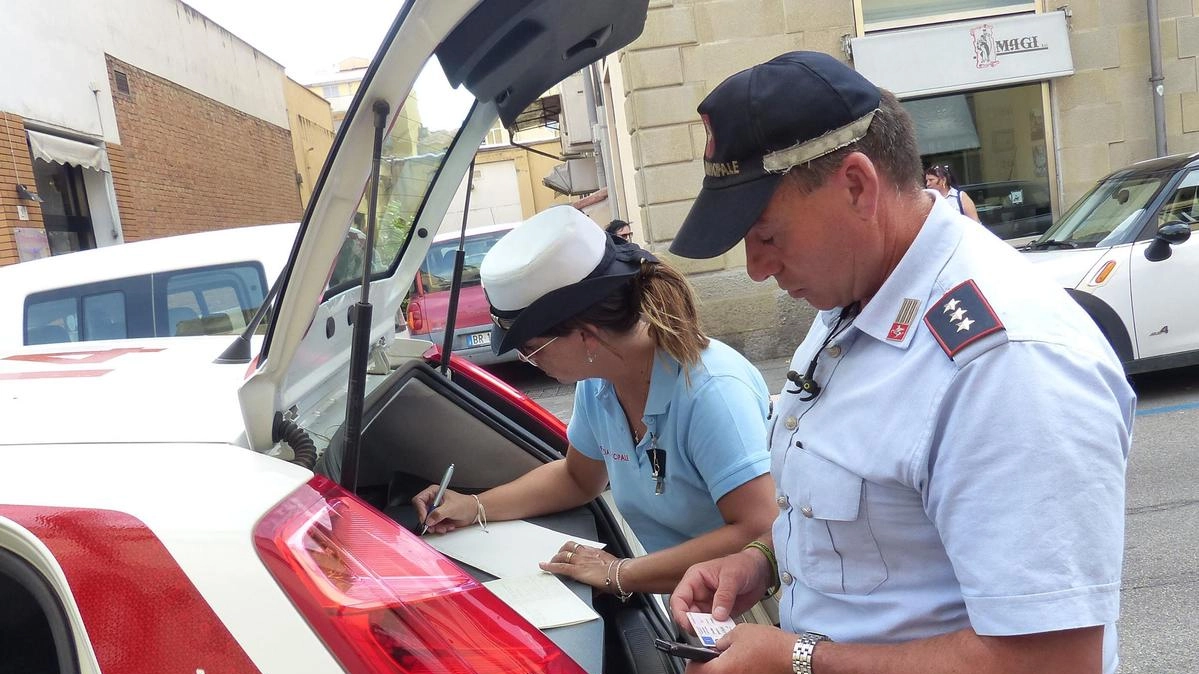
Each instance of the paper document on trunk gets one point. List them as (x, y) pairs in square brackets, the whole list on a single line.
[(506, 549), (542, 600)]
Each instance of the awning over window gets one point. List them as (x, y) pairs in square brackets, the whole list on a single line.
[(943, 124), (66, 151)]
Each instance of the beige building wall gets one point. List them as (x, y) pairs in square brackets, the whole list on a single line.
[(530, 169), (311, 121), (1104, 111), (687, 48), (1098, 120)]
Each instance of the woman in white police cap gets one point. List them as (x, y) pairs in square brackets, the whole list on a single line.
[(674, 420)]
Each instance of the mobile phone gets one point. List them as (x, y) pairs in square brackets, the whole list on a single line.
[(696, 653)]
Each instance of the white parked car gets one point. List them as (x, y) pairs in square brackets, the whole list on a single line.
[(1125, 252), (241, 504), (191, 284)]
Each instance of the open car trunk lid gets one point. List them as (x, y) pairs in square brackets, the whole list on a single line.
[(493, 57)]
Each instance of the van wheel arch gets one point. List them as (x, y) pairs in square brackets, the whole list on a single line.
[(1108, 321)]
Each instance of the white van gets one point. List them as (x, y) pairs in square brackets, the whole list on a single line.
[(208, 283)]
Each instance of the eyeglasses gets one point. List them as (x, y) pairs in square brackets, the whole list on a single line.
[(528, 357)]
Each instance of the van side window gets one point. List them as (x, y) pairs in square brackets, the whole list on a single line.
[(52, 321), (212, 300), (104, 316)]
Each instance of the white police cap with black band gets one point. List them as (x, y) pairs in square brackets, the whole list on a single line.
[(550, 268)]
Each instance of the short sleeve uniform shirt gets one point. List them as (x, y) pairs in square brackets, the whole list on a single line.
[(963, 465), (711, 427)]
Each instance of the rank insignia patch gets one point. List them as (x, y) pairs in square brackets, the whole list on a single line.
[(903, 320), (960, 318)]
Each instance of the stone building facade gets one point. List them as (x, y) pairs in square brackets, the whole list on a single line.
[(1029, 146)]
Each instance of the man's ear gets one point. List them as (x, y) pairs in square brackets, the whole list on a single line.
[(862, 180)]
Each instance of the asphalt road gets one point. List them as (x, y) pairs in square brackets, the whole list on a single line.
[(1160, 598)]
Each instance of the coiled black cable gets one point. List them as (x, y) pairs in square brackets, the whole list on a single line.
[(302, 447)]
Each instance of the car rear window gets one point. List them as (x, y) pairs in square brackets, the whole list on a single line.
[(437, 271)]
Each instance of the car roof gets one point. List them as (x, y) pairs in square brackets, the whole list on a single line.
[(473, 231), (1169, 163), (269, 244)]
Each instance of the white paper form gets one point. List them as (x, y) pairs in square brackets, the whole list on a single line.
[(543, 600), (506, 549)]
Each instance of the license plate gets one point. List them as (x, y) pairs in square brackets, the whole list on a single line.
[(479, 339)]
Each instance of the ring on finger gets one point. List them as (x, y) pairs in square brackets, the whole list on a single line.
[(569, 555), (576, 548)]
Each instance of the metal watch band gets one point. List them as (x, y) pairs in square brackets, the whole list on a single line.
[(801, 655)]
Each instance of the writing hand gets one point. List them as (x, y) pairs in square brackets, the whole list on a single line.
[(456, 510)]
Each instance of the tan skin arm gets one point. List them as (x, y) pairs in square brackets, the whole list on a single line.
[(567, 483), (968, 207), (759, 648), (549, 488), (747, 510), (736, 581)]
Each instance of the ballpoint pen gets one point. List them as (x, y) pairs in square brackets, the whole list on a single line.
[(445, 482)]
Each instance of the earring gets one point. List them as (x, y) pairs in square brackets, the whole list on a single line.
[(591, 358)]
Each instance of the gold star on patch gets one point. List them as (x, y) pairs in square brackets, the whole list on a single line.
[(965, 324), (952, 305)]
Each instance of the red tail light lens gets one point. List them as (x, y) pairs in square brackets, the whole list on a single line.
[(384, 601), (416, 319)]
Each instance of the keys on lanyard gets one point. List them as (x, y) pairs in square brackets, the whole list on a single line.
[(657, 462)]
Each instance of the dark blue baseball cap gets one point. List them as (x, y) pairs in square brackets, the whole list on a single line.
[(760, 123)]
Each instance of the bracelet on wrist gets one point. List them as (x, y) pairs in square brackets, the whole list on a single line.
[(480, 513), (773, 587), (620, 593), (608, 576)]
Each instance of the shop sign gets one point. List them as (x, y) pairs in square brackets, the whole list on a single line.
[(967, 54)]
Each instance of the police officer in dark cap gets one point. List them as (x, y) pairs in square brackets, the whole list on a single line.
[(938, 510)]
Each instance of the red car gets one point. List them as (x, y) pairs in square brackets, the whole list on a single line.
[(428, 304)]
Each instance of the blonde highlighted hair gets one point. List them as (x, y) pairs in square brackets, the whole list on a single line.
[(662, 297)]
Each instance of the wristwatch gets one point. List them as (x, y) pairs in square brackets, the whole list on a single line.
[(801, 656)]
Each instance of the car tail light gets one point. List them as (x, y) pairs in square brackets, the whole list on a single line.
[(503, 389), (384, 601), (416, 319)]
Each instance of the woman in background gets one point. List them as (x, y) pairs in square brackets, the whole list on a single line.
[(940, 178)]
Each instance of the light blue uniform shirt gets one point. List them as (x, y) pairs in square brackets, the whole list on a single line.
[(925, 494), (713, 432)]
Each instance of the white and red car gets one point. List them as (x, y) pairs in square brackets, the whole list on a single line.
[(160, 510)]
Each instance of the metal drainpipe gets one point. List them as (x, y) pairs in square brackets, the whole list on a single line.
[(1156, 88)]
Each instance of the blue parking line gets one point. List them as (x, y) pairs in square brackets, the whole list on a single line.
[(1170, 408)]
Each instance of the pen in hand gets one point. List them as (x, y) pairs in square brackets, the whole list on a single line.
[(445, 482)]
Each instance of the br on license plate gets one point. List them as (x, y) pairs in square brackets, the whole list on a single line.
[(479, 339)]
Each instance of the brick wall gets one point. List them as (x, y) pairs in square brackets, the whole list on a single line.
[(15, 168), (187, 163)]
